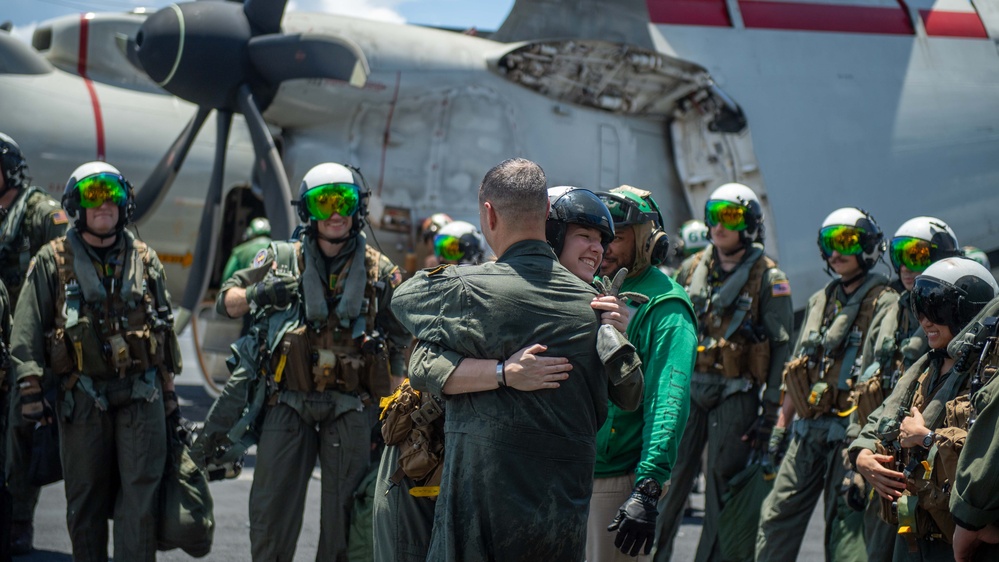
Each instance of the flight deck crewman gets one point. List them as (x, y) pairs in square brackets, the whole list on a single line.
[(745, 323), (29, 218), (94, 313), (636, 449), (328, 296), (817, 382)]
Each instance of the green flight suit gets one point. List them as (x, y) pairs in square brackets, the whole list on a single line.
[(813, 465), (644, 442), (33, 219), (5, 393), (494, 504), (112, 425), (905, 342), (402, 523), (242, 255), (299, 426), (723, 409)]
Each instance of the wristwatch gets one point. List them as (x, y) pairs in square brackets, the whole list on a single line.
[(929, 439), (501, 373)]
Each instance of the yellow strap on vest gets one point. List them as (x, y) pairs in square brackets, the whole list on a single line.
[(280, 367), (425, 491), (847, 412)]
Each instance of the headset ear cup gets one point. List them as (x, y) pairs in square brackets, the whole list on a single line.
[(658, 247)]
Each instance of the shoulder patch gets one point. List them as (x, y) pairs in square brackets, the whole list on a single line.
[(59, 217), (395, 278), (260, 258), (780, 289)]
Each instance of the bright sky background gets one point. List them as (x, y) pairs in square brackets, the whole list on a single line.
[(482, 14)]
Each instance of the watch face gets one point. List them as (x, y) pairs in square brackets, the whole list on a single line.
[(928, 440)]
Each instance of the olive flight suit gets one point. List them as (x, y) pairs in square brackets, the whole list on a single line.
[(321, 379), (818, 381), (518, 466), (99, 322), (32, 220), (745, 324)]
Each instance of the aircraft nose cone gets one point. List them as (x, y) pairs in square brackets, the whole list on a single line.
[(159, 42), (197, 51)]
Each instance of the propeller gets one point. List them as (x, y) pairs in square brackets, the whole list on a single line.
[(229, 57)]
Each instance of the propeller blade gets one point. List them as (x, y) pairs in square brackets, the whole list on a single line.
[(264, 15), (204, 251), (270, 169), (158, 183), (284, 57)]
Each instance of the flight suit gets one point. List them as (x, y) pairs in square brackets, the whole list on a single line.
[(643, 443), (318, 408), (5, 499), (887, 354), (817, 381), (32, 220), (493, 503), (724, 405), (98, 323)]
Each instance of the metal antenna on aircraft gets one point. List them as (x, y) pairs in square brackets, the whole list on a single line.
[(230, 57)]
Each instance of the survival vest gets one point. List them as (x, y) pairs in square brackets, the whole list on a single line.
[(923, 511), (115, 337), (819, 379), (319, 353), (732, 342)]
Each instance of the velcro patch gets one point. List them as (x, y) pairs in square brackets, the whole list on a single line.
[(260, 258), (395, 278), (781, 289), (59, 217)]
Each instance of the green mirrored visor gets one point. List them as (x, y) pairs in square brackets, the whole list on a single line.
[(95, 190), (324, 201)]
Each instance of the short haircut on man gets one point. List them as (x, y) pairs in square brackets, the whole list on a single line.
[(516, 187)]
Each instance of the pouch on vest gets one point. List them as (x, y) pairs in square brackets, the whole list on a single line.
[(85, 342), (377, 377), (707, 354), (341, 371), (887, 509), (396, 416), (421, 454), (868, 395), (819, 398), (758, 363), (292, 364), (731, 358), (142, 348), (797, 385), (121, 358), (62, 361)]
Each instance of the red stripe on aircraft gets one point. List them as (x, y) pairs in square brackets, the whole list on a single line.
[(82, 71), (953, 24), (824, 17), (689, 12)]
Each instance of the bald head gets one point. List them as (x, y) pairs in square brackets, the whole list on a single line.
[(516, 188)]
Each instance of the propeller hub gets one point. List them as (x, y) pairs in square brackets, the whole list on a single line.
[(197, 51)]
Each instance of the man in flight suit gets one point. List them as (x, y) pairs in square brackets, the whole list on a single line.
[(94, 313), (336, 345), (29, 218), (745, 323)]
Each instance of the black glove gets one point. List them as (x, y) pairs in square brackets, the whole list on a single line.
[(31, 399), (636, 519), (277, 290)]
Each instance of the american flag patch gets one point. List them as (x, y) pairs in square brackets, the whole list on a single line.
[(781, 289), (59, 217)]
